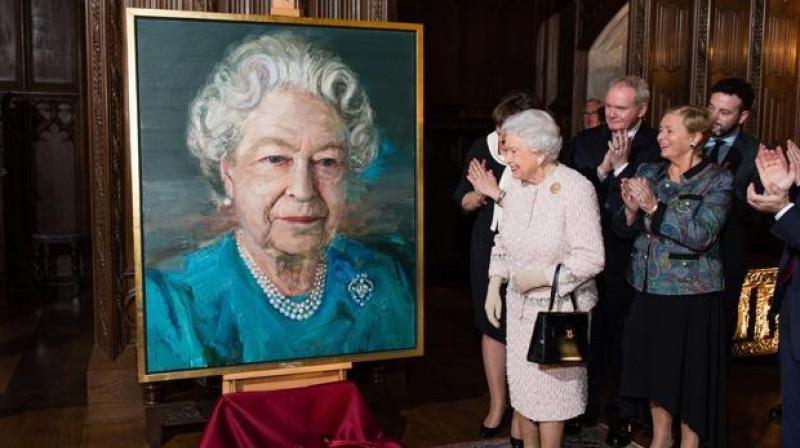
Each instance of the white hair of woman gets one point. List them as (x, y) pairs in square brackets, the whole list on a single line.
[(538, 130), (267, 63)]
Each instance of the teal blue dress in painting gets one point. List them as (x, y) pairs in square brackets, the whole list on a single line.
[(211, 312)]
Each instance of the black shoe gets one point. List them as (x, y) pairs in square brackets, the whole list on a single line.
[(776, 413), (576, 425), (619, 435), (516, 443), (573, 427), (487, 432)]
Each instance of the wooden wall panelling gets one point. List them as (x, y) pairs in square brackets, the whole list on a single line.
[(10, 45), (52, 45), (373, 10), (54, 145), (778, 120), (671, 56), (233, 6), (729, 42), (41, 56)]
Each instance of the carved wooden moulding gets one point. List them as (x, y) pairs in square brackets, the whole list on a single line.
[(753, 335)]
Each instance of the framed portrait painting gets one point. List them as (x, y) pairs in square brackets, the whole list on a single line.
[(276, 169)]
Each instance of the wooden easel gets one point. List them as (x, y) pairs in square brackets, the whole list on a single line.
[(285, 378)]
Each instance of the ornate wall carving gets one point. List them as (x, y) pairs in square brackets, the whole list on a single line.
[(700, 57), (106, 329), (757, 16), (637, 37)]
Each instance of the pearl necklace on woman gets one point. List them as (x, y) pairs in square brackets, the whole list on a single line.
[(294, 307)]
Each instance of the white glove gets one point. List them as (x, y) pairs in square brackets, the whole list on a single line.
[(528, 279), (493, 305)]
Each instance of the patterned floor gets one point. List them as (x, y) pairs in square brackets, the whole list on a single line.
[(589, 438)]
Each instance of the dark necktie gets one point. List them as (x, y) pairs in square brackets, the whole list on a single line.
[(713, 156)]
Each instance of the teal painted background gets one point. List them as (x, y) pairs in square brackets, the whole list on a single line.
[(174, 58)]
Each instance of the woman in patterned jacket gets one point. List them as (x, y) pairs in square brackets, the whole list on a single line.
[(674, 353)]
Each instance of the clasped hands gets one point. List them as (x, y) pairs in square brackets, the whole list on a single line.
[(522, 281), (778, 172), (619, 150), (637, 195)]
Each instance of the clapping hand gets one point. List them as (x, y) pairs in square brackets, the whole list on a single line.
[(640, 189), (776, 173), (793, 153), (482, 179), (631, 203), (619, 149)]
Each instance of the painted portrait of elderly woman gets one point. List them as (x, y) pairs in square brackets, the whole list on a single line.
[(290, 257)]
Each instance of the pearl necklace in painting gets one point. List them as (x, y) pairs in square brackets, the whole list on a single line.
[(287, 305)]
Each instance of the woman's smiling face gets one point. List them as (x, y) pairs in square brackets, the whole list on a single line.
[(288, 176), (674, 139)]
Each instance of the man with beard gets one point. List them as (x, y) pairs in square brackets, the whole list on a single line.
[(731, 148), (606, 154)]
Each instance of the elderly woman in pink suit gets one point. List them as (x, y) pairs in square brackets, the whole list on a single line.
[(550, 217)]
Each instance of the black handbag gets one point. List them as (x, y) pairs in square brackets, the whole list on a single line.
[(560, 338)]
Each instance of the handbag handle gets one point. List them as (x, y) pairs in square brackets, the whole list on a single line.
[(554, 289)]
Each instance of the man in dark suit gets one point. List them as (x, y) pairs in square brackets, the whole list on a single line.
[(730, 147), (605, 154), (778, 178)]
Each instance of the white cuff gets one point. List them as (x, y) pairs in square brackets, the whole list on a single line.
[(619, 170), (783, 211), (601, 178)]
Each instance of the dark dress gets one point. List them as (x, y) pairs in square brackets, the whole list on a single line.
[(481, 242), (674, 347)]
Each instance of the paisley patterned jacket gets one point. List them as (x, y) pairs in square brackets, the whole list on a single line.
[(676, 250)]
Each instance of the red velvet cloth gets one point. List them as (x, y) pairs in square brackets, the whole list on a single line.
[(326, 415)]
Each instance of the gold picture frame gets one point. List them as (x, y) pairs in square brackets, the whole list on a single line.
[(164, 53)]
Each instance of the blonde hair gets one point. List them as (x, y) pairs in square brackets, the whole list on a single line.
[(695, 120)]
